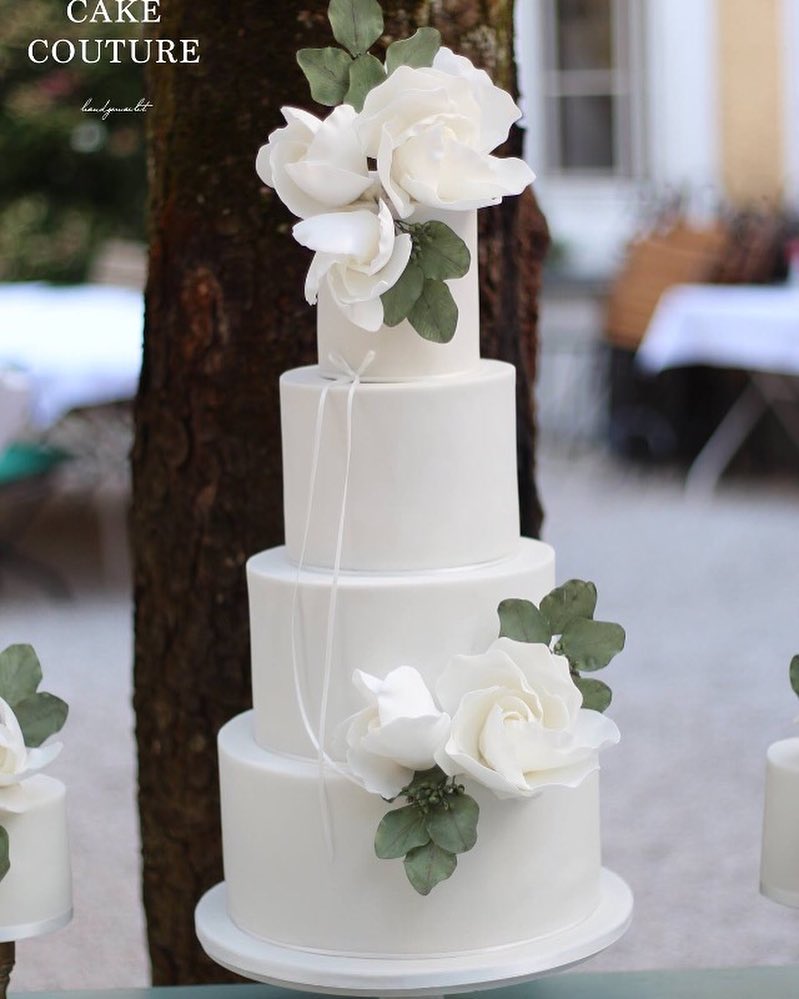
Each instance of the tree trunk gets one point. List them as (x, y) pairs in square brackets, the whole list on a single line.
[(225, 315)]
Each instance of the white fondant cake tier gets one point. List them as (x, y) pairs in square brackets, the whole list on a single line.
[(400, 353), (534, 871), (36, 894), (384, 620), (432, 474)]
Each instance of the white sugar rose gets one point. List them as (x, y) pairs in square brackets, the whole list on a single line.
[(399, 732), (315, 165), (17, 761), (517, 722), (431, 131), (360, 256)]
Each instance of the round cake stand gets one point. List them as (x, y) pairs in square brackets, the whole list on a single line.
[(310, 971)]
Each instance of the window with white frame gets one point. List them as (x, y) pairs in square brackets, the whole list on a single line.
[(591, 103)]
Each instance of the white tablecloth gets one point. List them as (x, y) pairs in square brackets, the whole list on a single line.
[(79, 346), (753, 327)]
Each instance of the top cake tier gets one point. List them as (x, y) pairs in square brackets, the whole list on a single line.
[(400, 353)]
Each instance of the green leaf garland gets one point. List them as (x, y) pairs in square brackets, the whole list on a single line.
[(418, 51), (328, 74), (356, 24)]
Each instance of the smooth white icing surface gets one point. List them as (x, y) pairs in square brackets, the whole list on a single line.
[(535, 868), (400, 353), (432, 473), (38, 886), (382, 621)]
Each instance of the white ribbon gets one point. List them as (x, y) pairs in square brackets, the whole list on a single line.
[(317, 736)]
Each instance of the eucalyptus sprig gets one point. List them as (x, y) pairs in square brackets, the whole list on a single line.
[(438, 822), (438, 254), (793, 673), (39, 714), (346, 75), (565, 623)]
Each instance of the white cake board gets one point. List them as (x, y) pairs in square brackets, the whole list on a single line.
[(309, 971)]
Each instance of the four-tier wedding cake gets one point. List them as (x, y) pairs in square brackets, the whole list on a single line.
[(418, 775)]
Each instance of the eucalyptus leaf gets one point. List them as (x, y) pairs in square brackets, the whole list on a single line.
[(418, 51), (435, 314), (399, 832), (427, 865), (356, 24), (454, 829), (20, 673), (366, 72), (5, 861), (327, 72), (596, 694), (399, 300), (522, 621), (590, 645), (40, 716), (794, 672), (572, 600), (441, 253)]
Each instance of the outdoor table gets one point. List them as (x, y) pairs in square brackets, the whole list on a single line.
[(754, 328), (730, 983), (79, 346)]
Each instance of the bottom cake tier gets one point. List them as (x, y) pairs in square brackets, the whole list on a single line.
[(534, 871), (36, 893)]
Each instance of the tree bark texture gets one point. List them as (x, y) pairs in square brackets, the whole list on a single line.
[(225, 316)]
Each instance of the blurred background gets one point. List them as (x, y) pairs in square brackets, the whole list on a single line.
[(665, 136)]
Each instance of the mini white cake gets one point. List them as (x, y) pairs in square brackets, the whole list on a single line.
[(36, 894)]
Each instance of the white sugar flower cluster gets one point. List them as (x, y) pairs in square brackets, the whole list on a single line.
[(511, 719), (430, 132)]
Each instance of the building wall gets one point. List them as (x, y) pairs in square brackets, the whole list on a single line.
[(751, 88)]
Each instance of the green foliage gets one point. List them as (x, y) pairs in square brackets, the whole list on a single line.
[(438, 822), (794, 674), (572, 600), (399, 300), (434, 315), (328, 74), (5, 860), (418, 51), (440, 253), (596, 694), (399, 832), (590, 645), (40, 715), (68, 180), (356, 24), (365, 73), (522, 621), (568, 612), (428, 865)]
